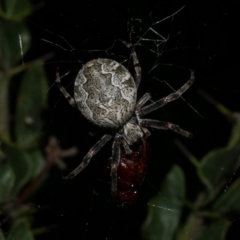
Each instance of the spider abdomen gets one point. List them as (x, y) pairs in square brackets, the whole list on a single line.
[(105, 93)]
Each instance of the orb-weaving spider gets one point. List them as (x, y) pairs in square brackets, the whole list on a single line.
[(105, 93)]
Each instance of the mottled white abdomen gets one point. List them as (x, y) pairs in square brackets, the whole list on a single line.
[(105, 93)]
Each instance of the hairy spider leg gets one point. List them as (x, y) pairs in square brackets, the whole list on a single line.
[(142, 100), (70, 100), (171, 97), (164, 125), (136, 64), (93, 150), (116, 153)]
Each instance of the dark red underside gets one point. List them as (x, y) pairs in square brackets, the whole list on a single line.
[(131, 172)]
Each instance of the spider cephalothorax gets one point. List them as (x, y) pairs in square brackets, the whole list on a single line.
[(106, 93)]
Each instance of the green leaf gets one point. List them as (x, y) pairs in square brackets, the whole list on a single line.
[(38, 161), (229, 201), (20, 230), (165, 209), (217, 230), (7, 178), (198, 228), (191, 229), (38, 164), (10, 49), (31, 99), (17, 8), (216, 166), (22, 167), (235, 134)]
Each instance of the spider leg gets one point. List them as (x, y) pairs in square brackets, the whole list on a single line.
[(142, 101), (116, 153), (89, 155), (135, 63), (163, 101), (165, 126), (64, 91)]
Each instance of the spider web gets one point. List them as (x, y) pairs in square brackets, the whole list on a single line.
[(171, 39)]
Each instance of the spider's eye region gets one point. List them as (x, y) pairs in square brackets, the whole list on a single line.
[(105, 93)]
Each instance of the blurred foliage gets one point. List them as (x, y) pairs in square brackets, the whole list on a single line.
[(21, 158), (208, 215)]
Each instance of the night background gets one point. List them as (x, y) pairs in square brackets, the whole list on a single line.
[(202, 36)]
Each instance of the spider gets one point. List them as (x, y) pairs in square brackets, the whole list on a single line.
[(106, 94)]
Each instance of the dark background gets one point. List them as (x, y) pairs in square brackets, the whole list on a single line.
[(202, 37)]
